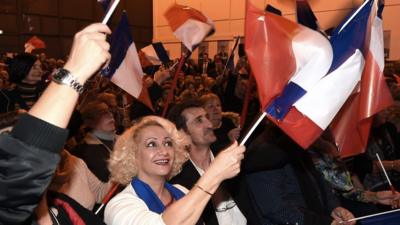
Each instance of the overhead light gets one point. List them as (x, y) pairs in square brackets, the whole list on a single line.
[(1, 31)]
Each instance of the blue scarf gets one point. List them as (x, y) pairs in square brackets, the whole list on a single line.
[(152, 201)]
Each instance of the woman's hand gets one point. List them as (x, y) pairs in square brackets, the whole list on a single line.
[(227, 163), (89, 51)]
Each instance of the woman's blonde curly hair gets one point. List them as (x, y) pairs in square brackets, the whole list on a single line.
[(122, 160)]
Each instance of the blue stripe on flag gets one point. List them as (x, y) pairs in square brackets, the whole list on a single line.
[(346, 41), (305, 15), (120, 41), (274, 10), (281, 105), (161, 52)]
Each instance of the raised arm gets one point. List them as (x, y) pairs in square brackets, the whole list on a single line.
[(188, 209), (89, 51)]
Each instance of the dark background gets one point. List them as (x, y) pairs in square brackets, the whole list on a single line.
[(56, 21)]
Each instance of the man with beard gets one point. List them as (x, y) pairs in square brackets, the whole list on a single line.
[(230, 204)]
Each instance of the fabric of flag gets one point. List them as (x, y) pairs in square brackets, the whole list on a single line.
[(152, 56), (386, 219), (124, 69), (189, 25), (34, 43), (305, 15), (324, 101), (352, 125), (300, 102), (287, 59), (104, 4)]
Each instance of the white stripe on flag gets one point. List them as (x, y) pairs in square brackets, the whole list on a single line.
[(322, 102), (192, 32), (313, 54), (151, 55), (129, 74), (376, 43)]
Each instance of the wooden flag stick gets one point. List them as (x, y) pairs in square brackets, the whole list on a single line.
[(369, 216), (386, 175), (260, 118), (110, 11), (230, 55), (174, 82), (107, 198)]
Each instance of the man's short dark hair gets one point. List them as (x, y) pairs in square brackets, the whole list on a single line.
[(175, 114)]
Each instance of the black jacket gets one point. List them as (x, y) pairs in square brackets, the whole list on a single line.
[(264, 157), (28, 158)]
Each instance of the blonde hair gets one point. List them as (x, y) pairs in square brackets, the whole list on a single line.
[(122, 160)]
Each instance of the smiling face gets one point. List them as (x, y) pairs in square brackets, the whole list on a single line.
[(155, 154), (199, 126)]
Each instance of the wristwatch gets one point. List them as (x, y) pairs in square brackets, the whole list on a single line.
[(63, 76)]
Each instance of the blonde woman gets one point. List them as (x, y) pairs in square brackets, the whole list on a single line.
[(144, 158)]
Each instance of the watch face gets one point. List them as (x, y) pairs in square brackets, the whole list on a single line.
[(60, 75)]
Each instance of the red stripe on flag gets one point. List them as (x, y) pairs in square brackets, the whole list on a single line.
[(375, 93), (299, 127), (269, 49), (179, 14)]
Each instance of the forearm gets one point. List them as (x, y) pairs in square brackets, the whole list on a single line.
[(56, 105), (188, 209)]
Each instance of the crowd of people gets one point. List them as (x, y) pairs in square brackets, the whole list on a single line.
[(63, 152)]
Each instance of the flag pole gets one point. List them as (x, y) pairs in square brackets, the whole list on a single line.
[(230, 55), (113, 6), (107, 198), (174, 82), (386, 175), (255, 125), (369, 216), (246, 101)]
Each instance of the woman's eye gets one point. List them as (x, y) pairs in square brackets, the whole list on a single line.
[(151, 144), (168, 144)]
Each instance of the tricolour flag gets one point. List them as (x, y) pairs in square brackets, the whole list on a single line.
[(104, 4), (152, 56), (124, 69), (34, 43), (352, 125), (189, 25), (305, 15), (290, 63), (287, 60)]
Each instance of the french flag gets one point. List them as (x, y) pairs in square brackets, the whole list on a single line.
[(352, 125), (287, 60), (104, 4), (152, 56), (124, 69), (189, 25)]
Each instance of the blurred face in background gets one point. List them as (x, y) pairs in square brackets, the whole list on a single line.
[(105, 122), (214, 111), (35, 74)]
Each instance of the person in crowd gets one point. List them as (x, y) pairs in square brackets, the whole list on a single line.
[(231, 203), (383, 139), (224, 128), (205, 64), (99, 141), (294, 193), (349, 190), (144, 158), (31, 151), (26, 72)]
